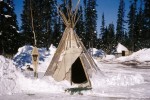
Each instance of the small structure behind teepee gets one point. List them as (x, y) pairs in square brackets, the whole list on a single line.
[(71, 60), (121, 50)]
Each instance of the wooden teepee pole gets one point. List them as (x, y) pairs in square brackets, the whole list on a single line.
[(35, 54), (32, 23)]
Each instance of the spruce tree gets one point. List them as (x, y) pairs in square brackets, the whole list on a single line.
[(146, 28), (26, 23), (44, 12), (90, 24), (120, 21), (57, 34), (111, 36), (50, 19), (131, 24), (9, 35), (80, 28), (139, 24), (108, 38), (102, 28), (101, 39), (105, 40)]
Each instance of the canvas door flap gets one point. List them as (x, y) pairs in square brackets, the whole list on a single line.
[(59, 74), (65, 64), (71, 55)]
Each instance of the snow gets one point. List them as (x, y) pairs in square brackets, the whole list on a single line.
[(96, 53), (121, 48), (7, 16), (13, 26), (23, 57), (8, 76), (45, 85), (108, 57), (140, 56), (119, 82), (13, 81)]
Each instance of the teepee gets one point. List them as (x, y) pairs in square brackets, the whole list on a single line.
[(71, 60)]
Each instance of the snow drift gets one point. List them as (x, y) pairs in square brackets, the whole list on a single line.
[(13, 81), (96, 52), (140, 56), (8, 76), (23, 57)]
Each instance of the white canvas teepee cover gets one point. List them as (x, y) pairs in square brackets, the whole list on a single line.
[(65, 62), (71, 60), (69, 50)]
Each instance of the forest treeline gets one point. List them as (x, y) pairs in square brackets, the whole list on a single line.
[(49, 26)]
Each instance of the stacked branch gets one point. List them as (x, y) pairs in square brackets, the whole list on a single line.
[(71, 19)]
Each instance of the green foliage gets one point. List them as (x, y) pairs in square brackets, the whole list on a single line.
[(57, 34), (102, 28), (108, 38), (9, 36), (90, 23), (132, 23), (44, 13), (120, 21), (139, 26), (146, 28), (80, 27)]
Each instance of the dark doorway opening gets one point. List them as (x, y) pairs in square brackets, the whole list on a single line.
[(123, 53), (78, 75)]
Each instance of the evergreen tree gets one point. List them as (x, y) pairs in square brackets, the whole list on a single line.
[(26, 23), (131, 24), (44, 11), (105, 40), (9, 35), (146, 28), (102, 34), (80, 28), (90, 24), (84, 22), (102, 28), (111, 34), (120, 21), (139, 24), (85, 4), (51, 17), (57, 34), (108, 38)]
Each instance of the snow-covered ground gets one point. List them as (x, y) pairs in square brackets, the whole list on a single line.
[(120, 81)]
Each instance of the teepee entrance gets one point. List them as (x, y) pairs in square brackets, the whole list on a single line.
[(77, 72)]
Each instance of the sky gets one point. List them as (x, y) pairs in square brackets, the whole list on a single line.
[(108, 7)]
